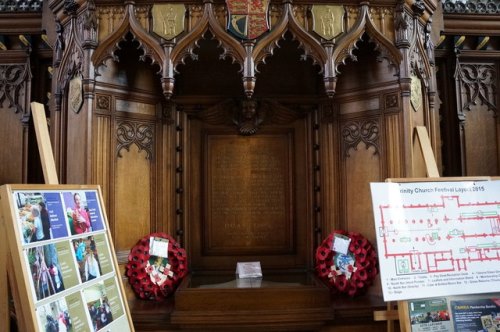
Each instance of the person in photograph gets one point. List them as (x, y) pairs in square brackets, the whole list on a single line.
[(44, 216), (56, 277), (103, 317), (91, 265), (81, 219), (61, 323), (37, 222), (94, 314), (107, 310), (51, 324)]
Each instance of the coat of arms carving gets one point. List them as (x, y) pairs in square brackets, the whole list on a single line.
[(248, 19), (168, 19), (416, 93), (75, 94), (328, 20)]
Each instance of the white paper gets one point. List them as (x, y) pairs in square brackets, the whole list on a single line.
[(158, 247), (248, 270), (341, 244)]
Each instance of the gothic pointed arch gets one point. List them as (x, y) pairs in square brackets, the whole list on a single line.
[(151, 47), (184, 48), (364, 24), (288, 23)]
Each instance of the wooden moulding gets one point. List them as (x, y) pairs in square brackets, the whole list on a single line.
[(275, 305)]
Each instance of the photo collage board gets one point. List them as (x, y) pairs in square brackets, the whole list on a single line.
[(66, 249)]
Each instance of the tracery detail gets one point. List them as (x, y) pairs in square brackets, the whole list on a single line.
[(140, 134), (477, 84), (12, 82), (355, 132)]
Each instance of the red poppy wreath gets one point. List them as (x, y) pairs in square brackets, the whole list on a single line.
[(156, 266), (347, 262)]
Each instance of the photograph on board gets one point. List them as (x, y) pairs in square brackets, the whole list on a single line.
[(40, 216), (83, 211), (55, 317)]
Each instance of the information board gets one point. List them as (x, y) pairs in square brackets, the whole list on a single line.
[(461, 313), (437, 238), (65, 269)]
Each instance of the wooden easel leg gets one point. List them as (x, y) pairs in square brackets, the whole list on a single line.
[(20, 320), (4, 291), (390, 322)]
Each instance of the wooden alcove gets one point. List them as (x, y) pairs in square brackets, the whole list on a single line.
[(244, 151)]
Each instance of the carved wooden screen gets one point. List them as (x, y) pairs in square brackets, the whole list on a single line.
[(248, 197), (477, 113)]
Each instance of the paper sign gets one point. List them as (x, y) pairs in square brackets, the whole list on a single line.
[(341, 244), (248, 270), (158, 247)]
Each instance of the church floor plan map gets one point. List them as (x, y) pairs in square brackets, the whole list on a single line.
[(437, 238)]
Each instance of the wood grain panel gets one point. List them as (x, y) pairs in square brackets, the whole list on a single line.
[(13, 134), (393, 151), (481, 150), (248, 186), (361, 168), (102, 158), (133, 198), (278, 237)]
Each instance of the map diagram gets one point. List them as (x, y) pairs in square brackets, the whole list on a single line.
[(440, 238)]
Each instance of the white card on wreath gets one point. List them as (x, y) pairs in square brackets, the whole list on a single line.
[(341, 244), (248, 270), (158, 247)]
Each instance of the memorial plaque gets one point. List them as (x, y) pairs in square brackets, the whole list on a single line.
[(248, 186)]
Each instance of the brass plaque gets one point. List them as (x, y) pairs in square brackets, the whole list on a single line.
[(168, 19), (248, 187), (328, 20)]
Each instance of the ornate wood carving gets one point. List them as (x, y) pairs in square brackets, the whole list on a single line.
[(475, 7), (477, 85), (21, 6), (247, 115), (208, 21), (140, 134), (13, 78), (364, 24), (70, 44), (130, 24), (103, 103), (419, 60), (355, 132), (391, 101)]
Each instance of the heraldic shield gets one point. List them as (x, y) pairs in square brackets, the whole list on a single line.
[(168, 19), (247, 19), (75, 94), (328, 20)]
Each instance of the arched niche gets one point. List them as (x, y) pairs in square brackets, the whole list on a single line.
[(130, 126), (207, 73), (366, 122), (288, 72)]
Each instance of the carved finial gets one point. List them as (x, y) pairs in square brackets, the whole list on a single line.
[(418, 7), (59, 44), (71, 7)]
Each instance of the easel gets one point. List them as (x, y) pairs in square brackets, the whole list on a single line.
[(402, 313), (13, 251)]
